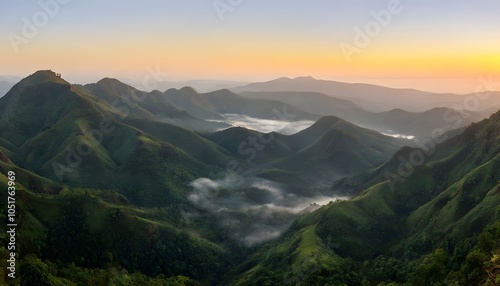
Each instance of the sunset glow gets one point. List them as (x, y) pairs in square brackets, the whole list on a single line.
[(256, 41)]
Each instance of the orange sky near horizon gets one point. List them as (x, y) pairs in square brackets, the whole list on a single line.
[(259, 62), (403, 54)]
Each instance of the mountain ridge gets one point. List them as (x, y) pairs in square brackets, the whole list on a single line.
[(371, 97), (397, 229), (184, 200)]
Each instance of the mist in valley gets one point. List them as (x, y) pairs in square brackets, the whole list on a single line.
[(266, 125), (251, 210)]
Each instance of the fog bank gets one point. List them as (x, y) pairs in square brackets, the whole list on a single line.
[(267, 125), (252, 210)]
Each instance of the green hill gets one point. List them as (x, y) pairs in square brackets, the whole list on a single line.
[(334, 148), (188, 99), (68, 135), (106, 176), (328, 150), (240, 142), (440, 223), (225, 101), (396, 121), (79, 234), (154, 105)]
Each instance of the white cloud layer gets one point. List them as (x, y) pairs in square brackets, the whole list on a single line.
[(267, 125), (252, 210)]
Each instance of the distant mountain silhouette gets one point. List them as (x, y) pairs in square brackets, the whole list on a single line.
[(368, 96)]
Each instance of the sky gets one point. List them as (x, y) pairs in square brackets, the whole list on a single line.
[(435, 45)]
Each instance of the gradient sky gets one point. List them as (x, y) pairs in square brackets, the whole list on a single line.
[(436, 45)]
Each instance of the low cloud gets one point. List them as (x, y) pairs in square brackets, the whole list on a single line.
[(251, 210), (267, 125), (396, 135)]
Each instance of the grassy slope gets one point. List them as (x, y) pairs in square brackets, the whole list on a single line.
[(308, 161), (198, 147), (441, 205), (299, 253), (94, 223), (441, 191), (150, 169), (333, 148)]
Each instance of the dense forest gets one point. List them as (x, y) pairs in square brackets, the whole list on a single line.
[(153, 204)]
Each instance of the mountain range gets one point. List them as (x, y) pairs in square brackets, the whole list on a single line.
[(378, 98), (6, 83), (199, 85), (393, 122), (158, 188)]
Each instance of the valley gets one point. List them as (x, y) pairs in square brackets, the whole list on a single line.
[(263, 184)]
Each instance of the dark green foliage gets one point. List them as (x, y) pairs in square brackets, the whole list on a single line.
[(121, 217), (93, 238), (439, 226), (45, 273)]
